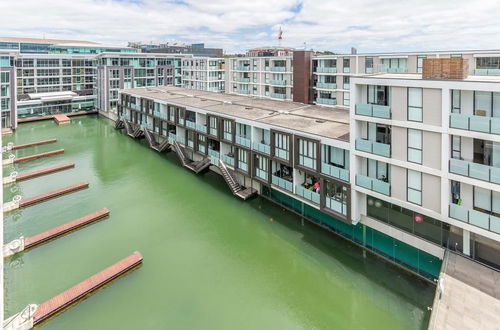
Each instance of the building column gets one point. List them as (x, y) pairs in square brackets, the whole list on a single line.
[(466, 242)]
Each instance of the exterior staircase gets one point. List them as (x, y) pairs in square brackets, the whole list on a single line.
[(236, 188), (119, 124), (195, 166), (160, 147)]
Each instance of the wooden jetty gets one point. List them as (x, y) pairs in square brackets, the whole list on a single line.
[(25, 176), (30, 144)]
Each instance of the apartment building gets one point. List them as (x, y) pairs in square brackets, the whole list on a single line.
[(203, 73), (262, 76), (423, 154), (7, 90)]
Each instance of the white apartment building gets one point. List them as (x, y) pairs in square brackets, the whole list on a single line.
[(203, 73), (425, 158), (270, 77)]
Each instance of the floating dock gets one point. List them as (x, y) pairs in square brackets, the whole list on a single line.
[(13, 177), (30, 144), (22, 244), (18, 202), (13, 160), (34, 315), (62, 119)]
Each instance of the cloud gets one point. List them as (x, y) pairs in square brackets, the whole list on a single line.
[(369, 25)]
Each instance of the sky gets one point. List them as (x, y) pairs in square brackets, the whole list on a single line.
[(236, 25)]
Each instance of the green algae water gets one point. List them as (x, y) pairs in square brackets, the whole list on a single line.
[(211, 261)]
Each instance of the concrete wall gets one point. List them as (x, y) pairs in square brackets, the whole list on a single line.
[(399, 143), (431, 106), (431, 192), (399, 103), (431, 149), (398, 182)]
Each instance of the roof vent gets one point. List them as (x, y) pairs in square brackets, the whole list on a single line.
[(320, 121)]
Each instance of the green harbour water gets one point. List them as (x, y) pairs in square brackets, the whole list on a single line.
[(211, 261)]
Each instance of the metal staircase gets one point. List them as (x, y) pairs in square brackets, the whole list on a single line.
[(230, 180), (119, 124), (160, 147), (195, 166)]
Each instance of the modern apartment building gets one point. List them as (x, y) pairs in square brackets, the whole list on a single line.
[(203, 73)]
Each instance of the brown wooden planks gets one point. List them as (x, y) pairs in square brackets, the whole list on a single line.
[(35, 240), (26, 176), (80, 290), (52, 194), (445, 68), (32, 144), (43, 154)]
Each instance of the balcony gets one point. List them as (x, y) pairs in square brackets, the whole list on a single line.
[(281, 183), (201, 128), (227, 136), (243, 91), (227, 159), (487, 72), (278, 96), (307, 194), (346, 70), (278, 68), (261, 147), (281, 153), (325, 85), (172, 138), (474, 170), (476, 218), (261, 174), (243, 68), (243, 80), (373, 184), (475, 123), (171, 118), (242, 141), (335, 172), (190, 124), (372, 147), (335, 205), (322, 100), (214, 156), (385, 69), (213, 131), (373, 110), (324, 69), (278, 82)]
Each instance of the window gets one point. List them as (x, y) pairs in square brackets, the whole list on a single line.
[(307, 153), (455, 101), (487, 201), (335, 156), (378, 170), (243, 160), (261, 167), (487, 104), (368, 64), (456, 55), (414, 182), (213, 126), (346, 82), (202, 143), (378, 95), (415, 146), (456, 147), (228, 130), (281, 145), (347, 64), (420, 63), (347, 98), (488, 63), (415, 104)]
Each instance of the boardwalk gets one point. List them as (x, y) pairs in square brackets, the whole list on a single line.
[(40, 155), (471, 297), (32, 144), (82, 289), (34, 174)]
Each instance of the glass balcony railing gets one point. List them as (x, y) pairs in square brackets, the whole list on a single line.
[(278, 68), (243, 68), (278, 96), (201, 128), (242, 141), (325, 85), (244, 80), (475, 123), (181, 121), (227, 136), (324, 69), (281, 153), (172, 138), (264, 148), (307, 194), (227, 159), (372, 147), (321, 100), (213, 131), (190, 124), (261, 174), (385, 69), (278, 82), (487, 72), (285, 184), (476, 218), (214, 156), (171, 118), (243, 91), (474, 170), (346, 69), (336, 206), (373, 184), (335, 172), (373, 110)]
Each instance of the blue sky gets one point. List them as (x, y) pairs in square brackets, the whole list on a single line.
[(235, 25)]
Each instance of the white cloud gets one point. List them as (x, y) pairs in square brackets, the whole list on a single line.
[(235, 25)]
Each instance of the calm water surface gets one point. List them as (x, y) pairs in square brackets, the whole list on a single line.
[(211, 261)]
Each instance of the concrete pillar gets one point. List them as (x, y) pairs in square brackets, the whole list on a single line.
[(466, 243)]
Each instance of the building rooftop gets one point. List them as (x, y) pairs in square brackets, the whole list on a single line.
[(312, 119)]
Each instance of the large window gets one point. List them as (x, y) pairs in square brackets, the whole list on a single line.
[(415, 146), (378, 170), (228, 130), (368, 64), (281, 145), (261, 167), (456, 147), (378, 95), (456, 101), (415, 104), (243, 160), (307, 153), (487, 201), (487, 104), (347, 64), (420, 63), (335, 156), (335, 197), (488, 63), (347, 98), (414, 182)]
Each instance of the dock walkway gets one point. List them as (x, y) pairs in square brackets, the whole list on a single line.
[(468, 296), (30, 144)]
